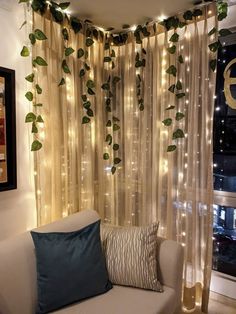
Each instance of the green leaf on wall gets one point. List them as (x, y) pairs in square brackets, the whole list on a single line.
[(84, 97), (167, 122), (214, 46), (172, 88), (39, 35), (75, 24), (225, 32), (117, 161), (113, 170), (25, 52), (68, 51), (174, 38), (65, 67), (65, 33), (109, 139), (179, 116), (170, 108), (39, 119), (180, 95), (89, 42), (171, 148), (172, 70), (116, 79), (32, 38), (87, 105), (80, 53), (91, 92), (85, 120), (30, 78), (172, 49), (107, 59), (40, 61), (29, 96), (62, 82), (106, 156), (212, 31), (34, 128), (38, 89), (64, 5), (108, 125), (188, 15), (116, 127), (90, 84), (212, 64), (82, 73), (179, 85), (90, 112), (178, 134), (30, 117), (116, 147), (180, 59), (36, 145)]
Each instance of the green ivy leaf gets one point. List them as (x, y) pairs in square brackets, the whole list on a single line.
[(106, 46), (108, 124), (39, 35), (109, 139), (197, 12), (39, 119), (105, 86), (225, 32), (64, 5), (180, 59), (90, 91), (116, 79), (65, 67), (75, 24), (214, 46), (116, 147), (34, 128), (188, 15), (212, 31), (171, 148), (38, 105), (222, 8), (90, 112), (80, 53), (87, 105), (82, 72), (213, 64), (32, 38), (40, 61), (65, 33), (144, 51), (84, 97), (36, 145), (108, 101), (222, 16), (30, 117), (106, 156), (172, 70), (180, 95), (113, 170), (23, 1), (107, 59), (170, 108), (172, 49), (25, 52), (172, 88), (167, 122), (174, 38), (62, 82), (113, 65), (116, 127), (117, 161), (57, 15), (68, 51), (85, 120), (108, 108), (29, 96), (179, 85), (113, 54), (182, 24), (89, 41), (90, 84), (38, 89), (87, 67), (115, 119), (30, 78), (178, 134), (179, 116)]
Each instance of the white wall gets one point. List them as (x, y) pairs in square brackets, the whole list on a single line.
[(17, 207)]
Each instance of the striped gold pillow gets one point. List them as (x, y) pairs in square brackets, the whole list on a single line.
[(131, 256)]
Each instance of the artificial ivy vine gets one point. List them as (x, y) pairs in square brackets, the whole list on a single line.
[(109, 88), (176, 87)]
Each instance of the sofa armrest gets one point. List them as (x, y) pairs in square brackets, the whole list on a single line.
[(170, 258)]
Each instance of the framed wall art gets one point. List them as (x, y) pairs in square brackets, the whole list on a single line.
[(7, 130)]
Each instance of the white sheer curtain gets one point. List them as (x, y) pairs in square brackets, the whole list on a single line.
[(149, 184)]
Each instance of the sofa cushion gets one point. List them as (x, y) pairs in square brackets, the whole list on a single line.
[(131, 256), (70, 267), (126, 300)]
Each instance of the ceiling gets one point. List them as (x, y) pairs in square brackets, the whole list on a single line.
[(115, 13)]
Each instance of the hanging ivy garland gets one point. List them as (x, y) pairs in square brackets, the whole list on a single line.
[(92, 33)]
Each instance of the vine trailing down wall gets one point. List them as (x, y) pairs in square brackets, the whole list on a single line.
[(112, 81)]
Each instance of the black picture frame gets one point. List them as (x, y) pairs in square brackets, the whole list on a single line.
[(10, 117)]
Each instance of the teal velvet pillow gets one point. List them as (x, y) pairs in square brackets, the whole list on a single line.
[(70, 267)]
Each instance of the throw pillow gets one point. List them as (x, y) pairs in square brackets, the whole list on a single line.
[(131, 256), (70, 267)]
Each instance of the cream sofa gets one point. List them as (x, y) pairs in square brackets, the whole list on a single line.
[(18, 287)]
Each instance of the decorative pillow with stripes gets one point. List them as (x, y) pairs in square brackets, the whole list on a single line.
[(131, 256)]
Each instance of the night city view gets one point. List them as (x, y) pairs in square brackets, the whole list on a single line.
[(224, 167)]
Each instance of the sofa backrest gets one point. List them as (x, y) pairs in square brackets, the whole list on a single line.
[(18, 277)]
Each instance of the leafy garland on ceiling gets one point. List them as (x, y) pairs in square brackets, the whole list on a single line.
[(58, 12)]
